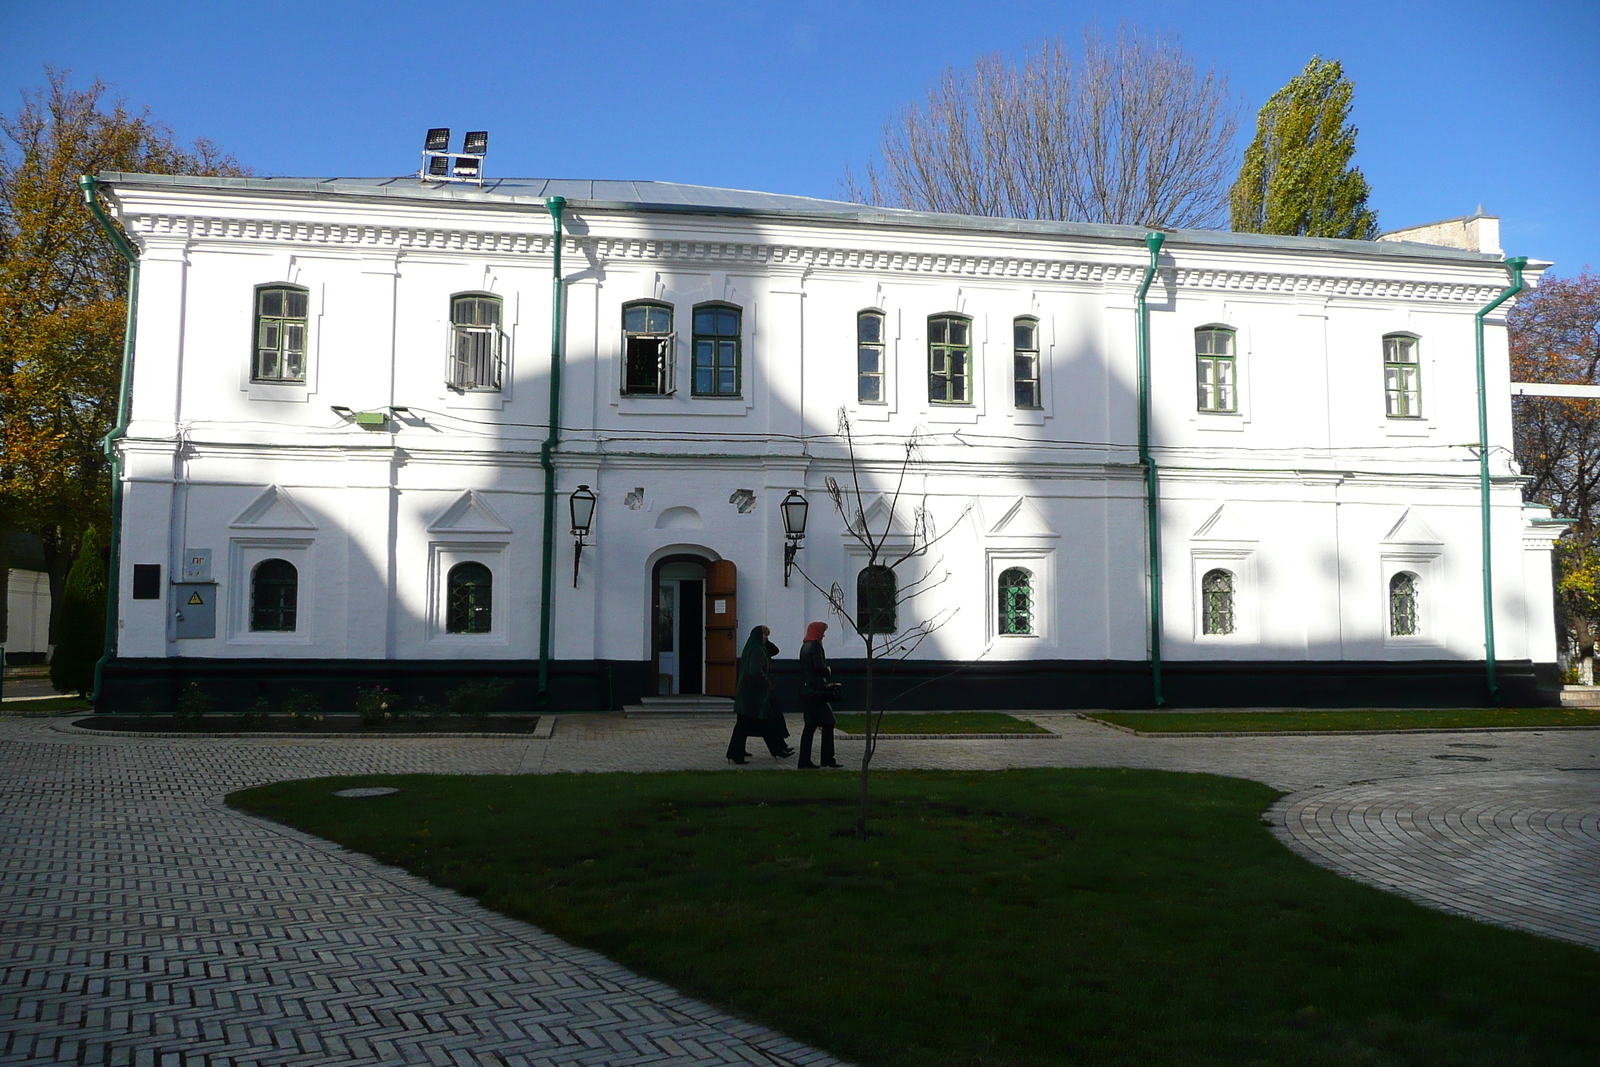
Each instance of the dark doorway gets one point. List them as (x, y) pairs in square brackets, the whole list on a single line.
[(677, 625)]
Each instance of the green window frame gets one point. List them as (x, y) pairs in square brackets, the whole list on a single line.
[(876, 594), (1025, 360), (949, 359), (469, 599), (870, 354), (1403, 616), (1216, 369), (477, 344), (281, 326), (274, 596), (648, 345), (1016, 602), (718, 362), (1402, 377), (1216, 602)]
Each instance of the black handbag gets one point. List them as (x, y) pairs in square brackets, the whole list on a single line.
[(831, 691)]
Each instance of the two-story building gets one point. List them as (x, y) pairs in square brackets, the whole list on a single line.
[(341, 402)]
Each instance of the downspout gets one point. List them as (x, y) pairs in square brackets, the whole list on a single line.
[(1152, 502), (1516, 266), (90, 187), (546, 453)]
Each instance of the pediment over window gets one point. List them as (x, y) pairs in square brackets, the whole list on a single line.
[(1020, 518), (1224, 525), (901, 525), (1411, 530), (470, 513), (274, 509)]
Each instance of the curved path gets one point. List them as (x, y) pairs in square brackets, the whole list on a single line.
[(143, 922)]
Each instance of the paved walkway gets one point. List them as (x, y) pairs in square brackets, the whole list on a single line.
[(142, 922)]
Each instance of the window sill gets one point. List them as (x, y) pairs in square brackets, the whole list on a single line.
[(286, 392), (1227, 421)]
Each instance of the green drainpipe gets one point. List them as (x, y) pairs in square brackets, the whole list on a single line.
[(1152, 502), (90, 187), (1516, 266), (546, 452)]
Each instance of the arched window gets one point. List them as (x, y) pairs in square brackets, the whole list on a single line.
[(1016, 601), (875, 600), (1402, 377), (1403, 620), (1025, 357), (280, 348), (1216, 378), (647, 349), (869, 357), (1216, 606), (469, 599), (717, 364), (478, 345), (274, 595), (949, 360)]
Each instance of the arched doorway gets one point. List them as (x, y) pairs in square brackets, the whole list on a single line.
[(693, 614)]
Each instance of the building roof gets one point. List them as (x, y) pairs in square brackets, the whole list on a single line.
[(676, 198)]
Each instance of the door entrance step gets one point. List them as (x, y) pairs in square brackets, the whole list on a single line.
[(688, 705), (1580, 696)]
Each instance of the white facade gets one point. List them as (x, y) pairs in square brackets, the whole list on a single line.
[(1309, 493)]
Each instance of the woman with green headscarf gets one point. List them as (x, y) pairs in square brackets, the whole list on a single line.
[(752, 700)]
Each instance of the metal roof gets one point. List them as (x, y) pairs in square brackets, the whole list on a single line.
[(676, 198)]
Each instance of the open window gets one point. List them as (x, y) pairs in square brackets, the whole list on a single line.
[(648, 344), (477, 354)]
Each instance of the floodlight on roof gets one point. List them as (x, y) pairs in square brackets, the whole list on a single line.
[(476, 143), (438, 166), (439, 139), (468, 166)]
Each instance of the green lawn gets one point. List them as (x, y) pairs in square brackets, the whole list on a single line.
[(959, 722), (1108, 917), (1406, 719)]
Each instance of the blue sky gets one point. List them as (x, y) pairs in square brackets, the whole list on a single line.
[(1457, 103)]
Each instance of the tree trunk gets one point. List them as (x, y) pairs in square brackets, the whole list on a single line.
[(870, 744)]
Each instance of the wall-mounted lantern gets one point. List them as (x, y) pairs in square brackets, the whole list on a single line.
[(582, 505), (794, 508)]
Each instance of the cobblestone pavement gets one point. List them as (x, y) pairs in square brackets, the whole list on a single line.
[(145, 923)]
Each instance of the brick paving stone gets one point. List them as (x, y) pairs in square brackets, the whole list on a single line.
[(141, 921)]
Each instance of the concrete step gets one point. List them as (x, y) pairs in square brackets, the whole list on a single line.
[(686, 705), (1580, 696)]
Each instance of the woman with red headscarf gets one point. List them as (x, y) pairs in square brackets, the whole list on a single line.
[(816, 679)]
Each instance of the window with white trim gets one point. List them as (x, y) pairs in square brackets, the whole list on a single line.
[(1015, 614), (280, 338), (1402, 377), (1404, 618), (869, 358), (469, 599), (717, 356), (274, 596), (877, 592), (648, 344), (1216, 370), (949, 359), (1216, 602), (1025, 357), (478, 346)]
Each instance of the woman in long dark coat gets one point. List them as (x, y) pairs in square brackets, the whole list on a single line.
[(752, 700), (815, 676)]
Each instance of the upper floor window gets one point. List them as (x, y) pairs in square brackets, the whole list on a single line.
[(1215, 370), (1016, 601), (280, 334), (647, 341), (949, 360), (876, 593), (716, 350), (1403, 605), (477, 342), (274, 596), (869, 357), (1402, 381), (1216, 602), (1025, 355), (469, 599)]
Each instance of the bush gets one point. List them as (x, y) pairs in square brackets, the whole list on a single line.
[(378, 705), (475, 699), (192, 705), (304, 709), (83, 619), (256, 714)]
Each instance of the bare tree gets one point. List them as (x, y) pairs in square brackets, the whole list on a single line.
[(888, 546), (1130, 133)]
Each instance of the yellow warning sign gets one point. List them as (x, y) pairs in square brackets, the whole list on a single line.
[(194, 598)]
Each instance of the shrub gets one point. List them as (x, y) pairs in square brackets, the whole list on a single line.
[(304, 709), (474, 699), (377, 705), (83, 619), (256, 714), (148, 707), (192, 705)]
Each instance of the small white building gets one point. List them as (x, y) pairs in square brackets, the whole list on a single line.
[(341, 388)]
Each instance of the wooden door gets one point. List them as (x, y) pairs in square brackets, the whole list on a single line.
[(722, 628)]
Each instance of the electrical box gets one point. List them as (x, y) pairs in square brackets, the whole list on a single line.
[(194, 610)]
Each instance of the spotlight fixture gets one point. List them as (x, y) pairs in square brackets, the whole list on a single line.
[(440, 165)]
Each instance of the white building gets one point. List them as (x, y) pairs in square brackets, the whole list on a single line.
[(341, 388)]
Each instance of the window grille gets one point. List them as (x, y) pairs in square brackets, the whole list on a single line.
[(1025, 354), (274, 596), (876, 592), (869, 358), (1215, 370), (280, 349), (717, 368), (1403, 606), (1216, 593), (648, 346), (1016, 601), (478, 344), (469, 599), (949, 360), (1402, 377)]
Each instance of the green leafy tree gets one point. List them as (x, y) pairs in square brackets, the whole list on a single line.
[(1296, 178), (83, 619)]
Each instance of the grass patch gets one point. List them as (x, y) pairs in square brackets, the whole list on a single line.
[(1037, 917), (34, 705), (958, 722), (1157, 722)]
